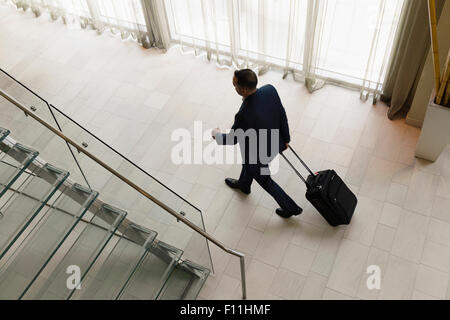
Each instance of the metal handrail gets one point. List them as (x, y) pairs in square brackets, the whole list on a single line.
[(135, 187)]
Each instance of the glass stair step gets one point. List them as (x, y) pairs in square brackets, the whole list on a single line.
[(185, 282), (26, 202), (83, 253), (27, 262), (152, 273), (107, 281), (13, 163), (3, 133)]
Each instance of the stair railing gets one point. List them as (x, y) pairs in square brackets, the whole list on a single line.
[(175, 214)]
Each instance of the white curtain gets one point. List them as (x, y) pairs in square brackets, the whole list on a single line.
[(134, 19), (252, 33), (341, 41)]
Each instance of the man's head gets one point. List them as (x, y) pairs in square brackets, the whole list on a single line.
[(245, 82)]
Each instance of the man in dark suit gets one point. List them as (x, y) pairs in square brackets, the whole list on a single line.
[(262, 131)]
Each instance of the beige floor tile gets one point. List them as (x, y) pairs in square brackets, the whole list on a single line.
[(403, 174), (275, 240), (387, 149), (249, 241), (371, 132), (216, 210), (356, 113), (440, 209), (348, 267), (399, 279), (384, 237), (364, 222), (448, 292), (359, 165), (407, 155), (326, 253), (439, 232), (347, 137), (305, 124), (260, 218), (298, 259), (411, 136), (308, 236), (228, 287), (432, 282), (211, 177), (312, 216), (340, 155), (436, 256), (445, 163), (421, 192), (428, 166), (417, 295), (233, 268), (314, 287), (287, 284), (391, 215), (444, 187), (334, 295), (314, 153), (396, 194), (201, 196), (410, 236), (296, 189), (260, 277), (378, 178)]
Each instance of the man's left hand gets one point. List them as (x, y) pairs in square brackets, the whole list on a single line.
[(214, 132)]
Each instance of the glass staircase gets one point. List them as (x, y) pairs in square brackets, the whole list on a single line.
[(16, 160), (78, 220), (48, 224)]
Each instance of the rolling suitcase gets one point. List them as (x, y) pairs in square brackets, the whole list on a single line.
[(328, 194)]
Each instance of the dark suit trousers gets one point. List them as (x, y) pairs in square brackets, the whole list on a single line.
[(250, 172)]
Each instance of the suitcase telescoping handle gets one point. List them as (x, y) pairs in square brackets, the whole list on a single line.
[(296, 171), (303, 163)]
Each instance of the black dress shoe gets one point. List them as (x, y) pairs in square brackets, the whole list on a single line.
[(286, 215), (234, 184)]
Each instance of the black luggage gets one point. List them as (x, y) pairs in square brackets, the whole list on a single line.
[(328, 194)]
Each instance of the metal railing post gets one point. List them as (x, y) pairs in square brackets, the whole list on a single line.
[(243, 282), (243, 277)]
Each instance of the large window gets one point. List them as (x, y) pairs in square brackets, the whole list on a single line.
[(76, 8), (114, 13), (357, 38), (350, 40), (123, 13), (344, 40)]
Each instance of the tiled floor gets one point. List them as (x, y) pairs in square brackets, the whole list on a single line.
[(134, 98)]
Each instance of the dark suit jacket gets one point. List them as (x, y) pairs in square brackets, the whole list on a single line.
[(263, 112)]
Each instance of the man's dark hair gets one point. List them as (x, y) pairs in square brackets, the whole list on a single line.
[(246, 78)]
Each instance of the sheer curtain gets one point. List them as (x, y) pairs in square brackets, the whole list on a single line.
[(252, 33), (355, 41), (141, 20), (342, 41)]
